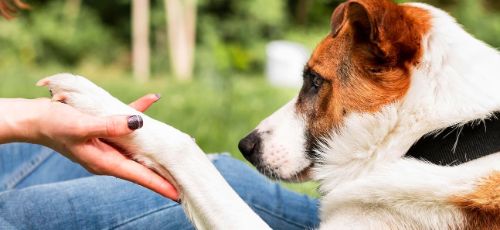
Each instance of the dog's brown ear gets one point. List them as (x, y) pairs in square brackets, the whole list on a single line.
[(380, 23), (338, 19)]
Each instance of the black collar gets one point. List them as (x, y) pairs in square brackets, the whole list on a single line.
[(475, 140)]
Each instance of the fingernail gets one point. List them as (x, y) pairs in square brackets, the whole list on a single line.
[(158, 96), (135, 122)]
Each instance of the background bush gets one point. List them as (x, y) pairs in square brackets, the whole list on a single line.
[(231, 35)]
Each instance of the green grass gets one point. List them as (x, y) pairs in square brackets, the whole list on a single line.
[(218, 112)]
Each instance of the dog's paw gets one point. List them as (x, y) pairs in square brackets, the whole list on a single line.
[(62, 85), (154, 144), (82, 94)]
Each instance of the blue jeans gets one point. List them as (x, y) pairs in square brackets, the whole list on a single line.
[(40, 189)]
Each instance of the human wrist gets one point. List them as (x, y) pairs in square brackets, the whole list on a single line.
[(19, 120)]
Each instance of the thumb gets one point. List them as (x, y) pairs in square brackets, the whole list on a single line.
[(114, 126)]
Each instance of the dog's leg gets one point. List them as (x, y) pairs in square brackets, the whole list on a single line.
[(359, 217), (411, 194), (207, 198)]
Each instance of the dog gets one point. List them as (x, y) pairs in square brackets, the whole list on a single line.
[(385, 76)]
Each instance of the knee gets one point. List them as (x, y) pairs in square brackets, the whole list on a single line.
[(225, 162), (244, 179)]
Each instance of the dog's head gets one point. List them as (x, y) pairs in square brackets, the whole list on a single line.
[(362, 65)]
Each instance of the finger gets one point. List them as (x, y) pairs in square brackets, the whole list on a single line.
[(137, 173), (21, 5), (113, 126), (143, 103), (103, 159)]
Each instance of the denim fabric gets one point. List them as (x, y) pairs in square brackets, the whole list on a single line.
[(40, 189)]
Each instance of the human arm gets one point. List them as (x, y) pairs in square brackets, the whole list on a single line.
[(77, 136)]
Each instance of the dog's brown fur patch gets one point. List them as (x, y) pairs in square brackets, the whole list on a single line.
[(366, 61), (482, 207)]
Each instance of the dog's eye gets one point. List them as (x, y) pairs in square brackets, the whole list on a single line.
[(375, 70), (316, 81), (312, 81)]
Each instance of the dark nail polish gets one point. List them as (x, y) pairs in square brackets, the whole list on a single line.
[(135, 122), (158, 96)]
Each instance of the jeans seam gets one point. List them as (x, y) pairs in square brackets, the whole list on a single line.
[(262, 209), (132, 219), (26, 169)]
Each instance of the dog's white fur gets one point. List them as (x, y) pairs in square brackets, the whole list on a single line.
[(284, 143), (365, 182)]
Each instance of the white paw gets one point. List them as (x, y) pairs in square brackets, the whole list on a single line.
[(83, 95)]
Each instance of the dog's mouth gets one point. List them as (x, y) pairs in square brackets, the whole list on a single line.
[(305, 174), (302, 175)]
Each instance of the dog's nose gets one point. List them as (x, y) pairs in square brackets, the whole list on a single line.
[(250, 145)]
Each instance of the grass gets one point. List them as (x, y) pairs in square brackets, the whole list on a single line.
[(217, 111)]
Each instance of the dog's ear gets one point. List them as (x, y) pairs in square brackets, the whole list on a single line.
[(338, 19), (379, 23)]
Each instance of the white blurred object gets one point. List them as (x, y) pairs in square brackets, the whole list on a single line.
[(285, 63)]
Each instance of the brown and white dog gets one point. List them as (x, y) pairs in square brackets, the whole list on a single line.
[(383, 77)]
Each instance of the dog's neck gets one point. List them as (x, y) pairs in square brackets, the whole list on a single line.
[(457, 145), (457, 81)]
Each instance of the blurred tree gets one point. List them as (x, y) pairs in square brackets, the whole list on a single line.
[(181, 29), (302, 8), (72, 9), (233, 34), (493, 4), (140, 39)]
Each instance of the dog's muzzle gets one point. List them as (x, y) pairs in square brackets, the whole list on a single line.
[(250, 147)]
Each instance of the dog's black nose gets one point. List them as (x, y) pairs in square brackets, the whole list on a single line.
[(250, 145)]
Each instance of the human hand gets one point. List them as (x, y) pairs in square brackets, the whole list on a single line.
[(79, 137), (8, 8)]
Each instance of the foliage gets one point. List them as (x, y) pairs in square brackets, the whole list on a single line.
[(479, 20), (50, 35), (231, 34), (233, 30)]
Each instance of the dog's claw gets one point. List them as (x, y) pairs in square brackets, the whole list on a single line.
[(55, 97), (61, 97), (43, 82)]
